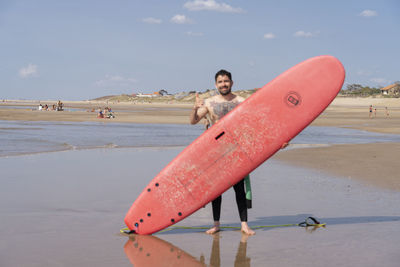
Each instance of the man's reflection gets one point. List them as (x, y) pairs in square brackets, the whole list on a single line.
[(147, 250), (241, 259)]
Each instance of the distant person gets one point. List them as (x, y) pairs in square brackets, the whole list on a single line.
[(370, 111), (110, 113), (100, 114), (60, 106), (386, 112), (375, 112), (40, 107)]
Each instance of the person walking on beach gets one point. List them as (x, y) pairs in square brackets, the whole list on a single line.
[(216, 107), (370, 111)]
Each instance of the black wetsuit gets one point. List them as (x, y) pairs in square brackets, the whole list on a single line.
[(240, 201)]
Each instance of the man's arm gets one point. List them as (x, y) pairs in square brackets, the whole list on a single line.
[(199, 110)]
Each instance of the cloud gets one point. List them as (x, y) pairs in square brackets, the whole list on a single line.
[(251, 64), (211, 5), (115, 80), (364, 73), (380, 80), (368, 13), (269, 36), (304, 34), (28, 71), (197, 34), (181, 19), (151, 20)]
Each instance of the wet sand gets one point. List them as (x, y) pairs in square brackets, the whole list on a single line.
[(66, 209), (375, 164)]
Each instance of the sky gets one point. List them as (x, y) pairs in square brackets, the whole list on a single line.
[(83, 49)]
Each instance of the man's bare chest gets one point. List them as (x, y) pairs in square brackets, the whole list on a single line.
[(220, 109)]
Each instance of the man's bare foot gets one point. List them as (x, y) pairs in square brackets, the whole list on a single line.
[(246, 229), (214, 229)]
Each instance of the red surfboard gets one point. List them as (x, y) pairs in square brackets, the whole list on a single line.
[(237, 144)]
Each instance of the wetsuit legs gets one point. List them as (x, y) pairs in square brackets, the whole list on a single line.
[(240, 201), (216, 207)]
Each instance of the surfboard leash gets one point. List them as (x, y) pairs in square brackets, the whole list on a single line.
[(308, 222)]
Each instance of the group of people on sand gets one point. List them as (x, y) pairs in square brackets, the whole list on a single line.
[(57, 107), (105, 113), (373, 110)]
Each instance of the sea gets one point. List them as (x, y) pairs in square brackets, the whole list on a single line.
[(30, 137)]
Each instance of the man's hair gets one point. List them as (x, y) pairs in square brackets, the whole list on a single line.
[(223, 73)]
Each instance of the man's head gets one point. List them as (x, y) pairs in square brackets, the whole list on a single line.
[(223, 82)]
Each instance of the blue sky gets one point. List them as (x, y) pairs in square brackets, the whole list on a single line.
[(77, 50)]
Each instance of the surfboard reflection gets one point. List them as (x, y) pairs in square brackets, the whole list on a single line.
[(147, 250)]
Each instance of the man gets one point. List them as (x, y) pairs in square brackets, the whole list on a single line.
[(215, 108)]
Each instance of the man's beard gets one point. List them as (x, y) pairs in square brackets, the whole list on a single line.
[(225, 93)]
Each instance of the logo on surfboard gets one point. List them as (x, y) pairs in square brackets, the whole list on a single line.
[(293, 99)]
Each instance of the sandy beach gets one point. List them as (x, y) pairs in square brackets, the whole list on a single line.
[(343, 112), (66, 208)]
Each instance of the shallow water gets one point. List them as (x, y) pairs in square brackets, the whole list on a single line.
[(18, 137), (21, 137)]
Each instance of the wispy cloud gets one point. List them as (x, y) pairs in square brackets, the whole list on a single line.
[(368, 13), (364, 73), (251, 64), (211, 5), (380, 81), (197, 34), (269, 36), (181, 19), (305, 34), (28, 71), (115, 80), (151, 20)]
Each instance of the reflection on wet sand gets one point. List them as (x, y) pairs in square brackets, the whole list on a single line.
[(241, 259), (147, 250), (144, 250)]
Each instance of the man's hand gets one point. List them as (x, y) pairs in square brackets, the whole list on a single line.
[(199, 102), (195, 116)]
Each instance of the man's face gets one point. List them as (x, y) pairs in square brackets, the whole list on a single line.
[(223, 84)]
